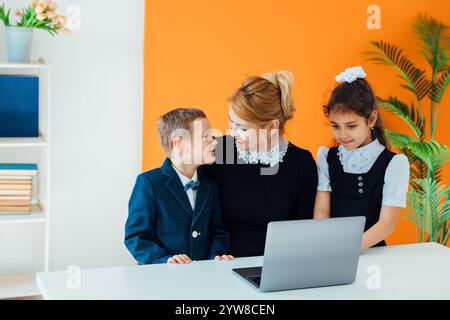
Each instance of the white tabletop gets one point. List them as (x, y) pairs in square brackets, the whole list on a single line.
[(419, 271)]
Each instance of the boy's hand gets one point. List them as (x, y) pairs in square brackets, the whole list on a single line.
[(179, 259), (224, 257)]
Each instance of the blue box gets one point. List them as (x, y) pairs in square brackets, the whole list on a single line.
[(19, 106)]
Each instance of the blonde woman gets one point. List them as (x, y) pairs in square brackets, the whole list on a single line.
[(262, 177)]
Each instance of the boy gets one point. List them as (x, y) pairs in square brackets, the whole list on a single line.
[(174, 213)]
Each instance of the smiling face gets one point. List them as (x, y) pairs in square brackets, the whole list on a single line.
[(245, 133), (249, 136), (198, 147), (351, 130)]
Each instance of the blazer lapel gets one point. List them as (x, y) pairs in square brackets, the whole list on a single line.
[(201, 199), (176, 188)]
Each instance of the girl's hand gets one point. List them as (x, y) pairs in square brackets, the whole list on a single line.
[(224, 257), (179, 259)]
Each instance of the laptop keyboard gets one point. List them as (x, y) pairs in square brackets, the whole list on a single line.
[(256, 280)]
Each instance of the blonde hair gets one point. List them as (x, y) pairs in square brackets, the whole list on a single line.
[(260, 100), (174, 123)]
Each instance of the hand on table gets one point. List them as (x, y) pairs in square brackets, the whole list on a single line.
[(224, 258), (179, 259)]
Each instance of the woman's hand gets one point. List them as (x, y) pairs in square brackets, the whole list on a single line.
[(179, 259), (224, 257)]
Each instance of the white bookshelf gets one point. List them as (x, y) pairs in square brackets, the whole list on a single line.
[(30, 150), (22, 142)]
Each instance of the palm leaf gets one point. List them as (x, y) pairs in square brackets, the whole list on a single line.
[(426, 158), (418, 168), (434, 41), (446, 229), (433, 153), (411, 116), (388, 54), (438, 91), (427, 209), (400, 141)]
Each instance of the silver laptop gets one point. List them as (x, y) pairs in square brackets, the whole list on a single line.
[(308, 253)]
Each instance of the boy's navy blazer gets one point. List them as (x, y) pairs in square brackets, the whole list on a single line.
[(161, 222)]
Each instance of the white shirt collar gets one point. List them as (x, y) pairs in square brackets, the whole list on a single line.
[(272, 157), (183, 178), (360, 157)]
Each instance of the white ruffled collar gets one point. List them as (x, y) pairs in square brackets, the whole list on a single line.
[(360, 157), (272, 157)]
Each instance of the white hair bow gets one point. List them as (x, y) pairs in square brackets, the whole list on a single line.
[(351, 74)]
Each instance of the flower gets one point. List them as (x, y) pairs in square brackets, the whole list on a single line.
[(51, 14), (52, 6), (351, 74), (62, 20), (39, 9), (41, 16)]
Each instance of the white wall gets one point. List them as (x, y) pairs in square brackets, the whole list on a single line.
[(96, 132)]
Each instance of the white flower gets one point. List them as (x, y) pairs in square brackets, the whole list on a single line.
[(351, 74)]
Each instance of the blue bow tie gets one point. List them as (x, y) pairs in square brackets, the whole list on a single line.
[(192, 185)]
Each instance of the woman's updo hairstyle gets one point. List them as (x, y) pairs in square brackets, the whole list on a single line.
[(260, 100)]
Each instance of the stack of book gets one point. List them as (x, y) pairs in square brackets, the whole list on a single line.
[(16, 187)]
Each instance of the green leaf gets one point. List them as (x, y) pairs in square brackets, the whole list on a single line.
[(434, 154), (5, 15), (398, 140), (441, 85), (411, 116), (390, 55), (434, 41), (428, 207)]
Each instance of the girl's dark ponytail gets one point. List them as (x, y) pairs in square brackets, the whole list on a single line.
[(379, 132)]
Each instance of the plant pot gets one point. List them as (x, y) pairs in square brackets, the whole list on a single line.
[(18, 44)]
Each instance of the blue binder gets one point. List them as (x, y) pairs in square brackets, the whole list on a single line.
[(19, 106)]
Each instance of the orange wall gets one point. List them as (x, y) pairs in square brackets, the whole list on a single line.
[(198, 51)]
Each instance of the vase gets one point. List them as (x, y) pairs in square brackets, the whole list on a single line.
[(18, 44)]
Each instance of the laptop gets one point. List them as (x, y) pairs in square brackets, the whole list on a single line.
[(308, 253)]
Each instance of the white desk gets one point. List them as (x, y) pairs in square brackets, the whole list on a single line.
[(418, 271)]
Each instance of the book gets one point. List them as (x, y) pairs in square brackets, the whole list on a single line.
[(9, 203), (14, 210), (18, 169), (20, 178), (14, 198), (15, 192), (15, 186), (16, 182), (19, 107)]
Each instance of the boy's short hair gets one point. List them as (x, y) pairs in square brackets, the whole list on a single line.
[(171, 123)]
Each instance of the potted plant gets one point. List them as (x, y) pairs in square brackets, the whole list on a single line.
[(37, 15), (429, 198)]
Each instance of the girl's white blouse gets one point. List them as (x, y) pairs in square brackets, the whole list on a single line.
[(360, 160)]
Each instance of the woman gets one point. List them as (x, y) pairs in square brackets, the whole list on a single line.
[(262, 177)]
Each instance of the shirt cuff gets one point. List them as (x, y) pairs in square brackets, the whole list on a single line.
[(394, 203)]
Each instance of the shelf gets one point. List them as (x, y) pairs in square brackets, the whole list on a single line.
[(40, 64), (29, 150), (37, 216), (18, 286), (22, 142)]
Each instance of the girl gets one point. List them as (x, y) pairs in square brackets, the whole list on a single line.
[(360, 177)]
